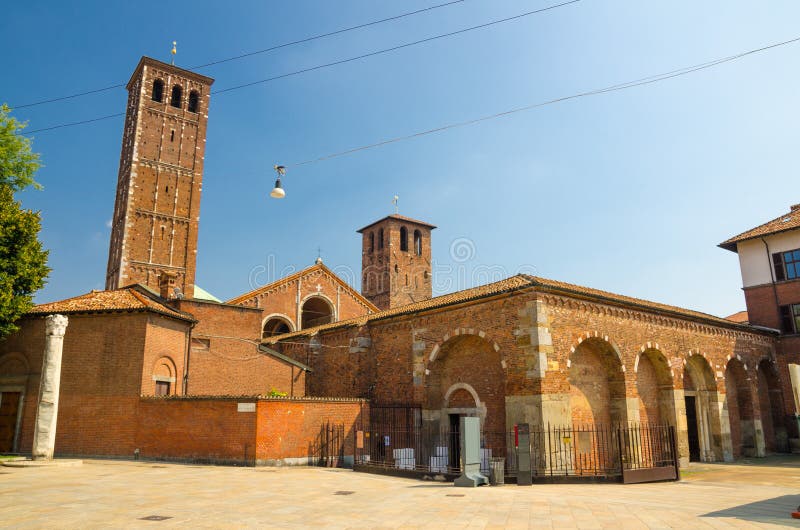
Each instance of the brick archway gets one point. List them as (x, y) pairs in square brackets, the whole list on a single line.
[(770, 398), (707, 432), (465, 331), (741, 410), (468, 368), (655, 386), (596, 376)]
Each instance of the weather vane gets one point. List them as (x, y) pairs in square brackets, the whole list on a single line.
[(394, 201), (174, 50)]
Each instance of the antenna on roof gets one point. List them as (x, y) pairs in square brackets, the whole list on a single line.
[(394, 201), (174, 51)]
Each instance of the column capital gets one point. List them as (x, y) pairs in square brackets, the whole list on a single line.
[(56, 325)]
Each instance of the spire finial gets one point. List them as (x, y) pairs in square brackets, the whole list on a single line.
[(395, 201), (174, 50), (319, 256)]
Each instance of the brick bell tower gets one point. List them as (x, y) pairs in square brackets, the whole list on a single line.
[(157, 208), (396, 261)]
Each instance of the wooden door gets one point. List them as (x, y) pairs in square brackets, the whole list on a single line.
[(9, 405)]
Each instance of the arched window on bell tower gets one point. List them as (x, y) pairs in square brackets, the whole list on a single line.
[(177, 96), (194, 101), (417, 242), (403, 239), (158, 90)]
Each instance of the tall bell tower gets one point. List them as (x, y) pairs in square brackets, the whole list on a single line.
[(396, 261), (157, 207)]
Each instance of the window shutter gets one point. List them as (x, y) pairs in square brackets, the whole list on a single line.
[(780, 273)]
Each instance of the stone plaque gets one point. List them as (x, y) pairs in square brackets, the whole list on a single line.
[(246, 407)]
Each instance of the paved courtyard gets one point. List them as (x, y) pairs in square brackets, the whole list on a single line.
[(102, 494)]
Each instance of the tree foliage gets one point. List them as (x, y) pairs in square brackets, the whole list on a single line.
[(18, 163), (23, 261)]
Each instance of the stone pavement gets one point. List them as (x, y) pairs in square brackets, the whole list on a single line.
[(121, 494)]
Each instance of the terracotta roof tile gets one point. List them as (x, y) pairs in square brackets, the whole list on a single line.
[(399, 218), (514, 283), (741, 317), (131, 298), (788, 221)]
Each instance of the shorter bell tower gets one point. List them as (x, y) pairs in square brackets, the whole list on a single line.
[(396, 261)]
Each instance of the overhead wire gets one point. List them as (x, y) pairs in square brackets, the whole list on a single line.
[(613, 88), (338, 62), (250, 54)]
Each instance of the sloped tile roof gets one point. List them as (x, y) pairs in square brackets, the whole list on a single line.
[(514, 283), (287, 279), (131, 298), (399, 218), (785, 222), (741, 317)]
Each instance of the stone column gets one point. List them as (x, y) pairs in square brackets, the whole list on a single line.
[(44, 434)]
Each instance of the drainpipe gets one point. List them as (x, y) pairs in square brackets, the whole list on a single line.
[(772, 277), (186, 360)]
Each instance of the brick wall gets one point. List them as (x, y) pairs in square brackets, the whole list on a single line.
[(230, 366), (101, 378), (281, 298), (292, 431), (762, 308), (196, 429)]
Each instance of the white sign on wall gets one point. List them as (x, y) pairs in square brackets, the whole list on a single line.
[(246, 407)]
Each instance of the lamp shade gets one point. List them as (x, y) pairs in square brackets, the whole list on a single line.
[(277, 192)]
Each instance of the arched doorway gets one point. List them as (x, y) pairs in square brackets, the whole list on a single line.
[(770, 399), (702, 422), (739, 401), (276, 325), (466, 378), (14, 370), (597, 385), (655, 388), (316, 311)]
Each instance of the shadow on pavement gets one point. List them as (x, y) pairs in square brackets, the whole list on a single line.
[(777, 510)]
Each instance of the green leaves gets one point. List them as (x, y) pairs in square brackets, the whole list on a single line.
[(23, 261), (18, 163)]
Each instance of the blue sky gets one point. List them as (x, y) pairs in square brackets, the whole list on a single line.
[(628, 192)]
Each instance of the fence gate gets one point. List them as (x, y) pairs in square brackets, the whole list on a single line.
[(328, 449), (396, 439)]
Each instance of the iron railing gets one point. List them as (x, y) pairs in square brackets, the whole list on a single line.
[(575, 451)]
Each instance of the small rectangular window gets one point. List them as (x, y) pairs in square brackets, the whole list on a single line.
[(162, 388)]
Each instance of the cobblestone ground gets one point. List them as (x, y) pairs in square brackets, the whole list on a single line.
[(101, 494)]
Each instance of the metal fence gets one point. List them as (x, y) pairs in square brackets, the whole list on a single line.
[(399, 440)]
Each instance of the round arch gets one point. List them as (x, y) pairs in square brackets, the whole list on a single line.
[(770, 399), (276, 324), (655, 386), (596, 377), (739, 403), (463, 375), (165, 376), (316, 310), (704, 437)]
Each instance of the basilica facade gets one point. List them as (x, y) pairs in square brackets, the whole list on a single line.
[(153, 359)]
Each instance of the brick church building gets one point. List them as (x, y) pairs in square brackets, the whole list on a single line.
[(153, 365)]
